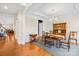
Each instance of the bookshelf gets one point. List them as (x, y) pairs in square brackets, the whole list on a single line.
[(59, 29)]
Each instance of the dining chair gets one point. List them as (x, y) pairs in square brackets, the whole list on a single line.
[(66, 42), (33, 37), (47, 40), (73, 36)]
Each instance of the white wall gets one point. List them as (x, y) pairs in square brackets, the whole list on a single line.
[(47, 25), (31, 25), (7, 20), (72, 21), (22, 30)]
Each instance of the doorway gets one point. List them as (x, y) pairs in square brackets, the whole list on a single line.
[(40, 27)]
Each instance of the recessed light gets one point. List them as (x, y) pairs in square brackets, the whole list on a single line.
[(53, 9), (5, 7)]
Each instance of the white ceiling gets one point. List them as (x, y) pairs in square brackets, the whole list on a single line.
[(44, 10), (47, 10), (13, 8)]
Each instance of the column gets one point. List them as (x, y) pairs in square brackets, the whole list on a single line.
[(20, 26)]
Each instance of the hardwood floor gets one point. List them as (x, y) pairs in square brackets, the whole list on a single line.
[(9, 47)]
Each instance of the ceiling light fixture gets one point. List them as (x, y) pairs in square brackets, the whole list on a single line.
[(53, 9), (5, 7)]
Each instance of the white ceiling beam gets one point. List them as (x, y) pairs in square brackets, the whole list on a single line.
[(28, 5)]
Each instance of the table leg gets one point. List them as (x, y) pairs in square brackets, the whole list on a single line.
[(57, 43)]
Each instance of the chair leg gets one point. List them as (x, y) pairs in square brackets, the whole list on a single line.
[(60, 44), (68, 47), (53, 43), (49, 43), (44, 42), (76, 42), (56, 43)]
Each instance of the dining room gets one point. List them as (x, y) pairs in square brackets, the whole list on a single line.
[(59, 32), (39, 29)]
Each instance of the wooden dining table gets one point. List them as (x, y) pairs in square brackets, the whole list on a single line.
[(48, 38), (56, 38)]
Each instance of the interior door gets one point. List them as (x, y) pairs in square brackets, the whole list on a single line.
[(40, 27)]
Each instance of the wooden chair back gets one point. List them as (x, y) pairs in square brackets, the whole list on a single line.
[(73, 36)]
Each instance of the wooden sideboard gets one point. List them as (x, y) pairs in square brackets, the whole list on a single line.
[(59, 29)]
